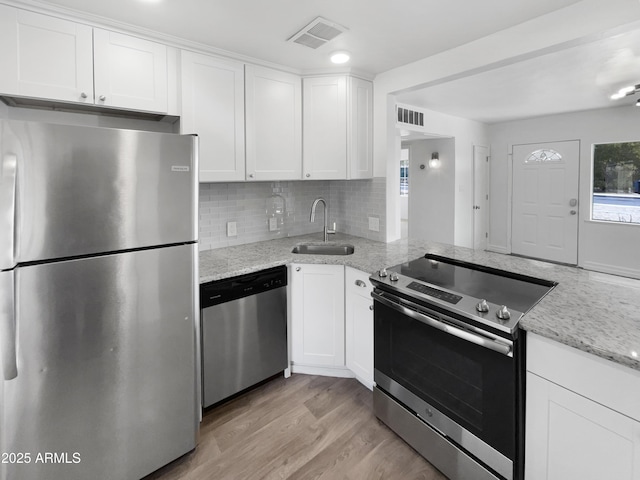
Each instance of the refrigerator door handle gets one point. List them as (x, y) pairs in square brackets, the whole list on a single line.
[(8, 351), (8, 191)]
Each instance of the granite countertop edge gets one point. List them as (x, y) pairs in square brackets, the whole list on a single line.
[(577, 312)]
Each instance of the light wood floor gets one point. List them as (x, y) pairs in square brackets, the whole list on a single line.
[(303, 427)]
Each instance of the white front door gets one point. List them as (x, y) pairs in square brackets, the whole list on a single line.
[(544, 220), (480, 167)]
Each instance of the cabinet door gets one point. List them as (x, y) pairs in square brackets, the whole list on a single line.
[(324, 153), (359, 325), (45, 57), (317, 310), (129, 72), (213, 108), (569, 436), (273, 124), (360, 128)]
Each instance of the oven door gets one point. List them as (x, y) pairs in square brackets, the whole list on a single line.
[(460, 382)]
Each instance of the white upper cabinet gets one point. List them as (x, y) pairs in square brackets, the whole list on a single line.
[(337, 128), (360, 128), (54, 59), (273, 111), (130, 72), (325, 128), (45, 57), (213, 108)]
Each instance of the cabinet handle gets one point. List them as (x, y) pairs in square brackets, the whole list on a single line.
[(103, 97), (308, 175), (298, 269), (371, 307), (360, 283), (83, 95)]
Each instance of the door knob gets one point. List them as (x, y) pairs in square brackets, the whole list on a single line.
[(573, 212)]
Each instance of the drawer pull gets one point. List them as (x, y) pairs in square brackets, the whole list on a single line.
[(360, 283)]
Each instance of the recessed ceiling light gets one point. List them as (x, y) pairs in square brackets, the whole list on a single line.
[(340, 57)]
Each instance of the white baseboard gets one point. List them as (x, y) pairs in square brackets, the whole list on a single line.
[(498, 249), (341, 372), (612, 269)]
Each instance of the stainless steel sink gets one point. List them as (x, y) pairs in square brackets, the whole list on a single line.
[(311, 249)]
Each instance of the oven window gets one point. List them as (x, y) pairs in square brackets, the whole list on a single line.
[(472, 385), (454, 379)]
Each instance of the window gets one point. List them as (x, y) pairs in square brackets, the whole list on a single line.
[(404, 172), (616, 182)]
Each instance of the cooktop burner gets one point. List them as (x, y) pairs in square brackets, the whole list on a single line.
[(477, 292)]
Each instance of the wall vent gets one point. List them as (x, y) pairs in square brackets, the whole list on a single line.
[(317, 33), (406, 115)]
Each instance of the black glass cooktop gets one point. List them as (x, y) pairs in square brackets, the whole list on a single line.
[(519, 292)]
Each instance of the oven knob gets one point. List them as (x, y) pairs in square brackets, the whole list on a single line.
[(393, 277), (503, 313), (483, 306), (382, 273)]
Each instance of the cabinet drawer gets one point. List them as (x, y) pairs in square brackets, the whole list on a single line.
[(605, 382), (357, 282)]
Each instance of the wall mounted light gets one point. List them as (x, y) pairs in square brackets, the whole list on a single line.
[(435, 160), (340, 57)]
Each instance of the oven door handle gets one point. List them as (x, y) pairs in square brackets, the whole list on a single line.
[(457, 332)]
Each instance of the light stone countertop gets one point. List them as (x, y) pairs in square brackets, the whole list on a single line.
[(594, 312)]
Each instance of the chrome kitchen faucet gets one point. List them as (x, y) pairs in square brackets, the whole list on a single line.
[(313, 216)]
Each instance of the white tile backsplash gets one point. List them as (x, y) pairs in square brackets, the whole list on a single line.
[(251, 204)]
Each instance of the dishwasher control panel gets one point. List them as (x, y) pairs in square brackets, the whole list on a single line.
[(220, 291)]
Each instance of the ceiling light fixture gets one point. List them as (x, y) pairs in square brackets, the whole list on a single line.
[(340, 57), (625, 92)]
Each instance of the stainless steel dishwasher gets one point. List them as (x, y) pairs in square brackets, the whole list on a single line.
[(244, 332)]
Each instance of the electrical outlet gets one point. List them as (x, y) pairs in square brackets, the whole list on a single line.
[(374, 224), (232, 231), (273, 224)]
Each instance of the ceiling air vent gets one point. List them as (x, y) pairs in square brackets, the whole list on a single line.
[(317, 33), (409, 116)]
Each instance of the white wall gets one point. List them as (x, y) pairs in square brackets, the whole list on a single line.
[(602, 246), (432, 191), (504, 47), (455, 178)]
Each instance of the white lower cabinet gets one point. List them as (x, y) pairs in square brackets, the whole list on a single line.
[(570, 435), (359, 325), (317, 319)]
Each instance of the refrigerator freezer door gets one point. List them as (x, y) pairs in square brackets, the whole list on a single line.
[(86, 190), (106, 366)]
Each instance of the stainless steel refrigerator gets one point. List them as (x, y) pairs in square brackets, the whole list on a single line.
[(98, 301)]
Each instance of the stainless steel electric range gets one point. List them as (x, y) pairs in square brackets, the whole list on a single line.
[(449, 362)]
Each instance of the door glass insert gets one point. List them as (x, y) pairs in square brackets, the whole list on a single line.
[(543, 156)]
